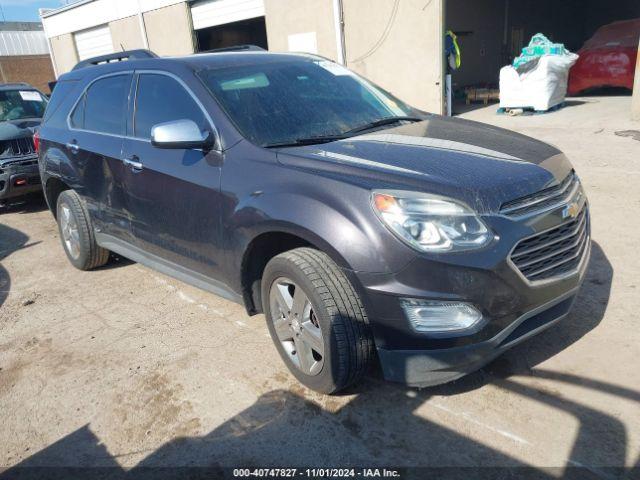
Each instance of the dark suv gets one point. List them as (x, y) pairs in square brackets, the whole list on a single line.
[(21, 110), (356, 223)]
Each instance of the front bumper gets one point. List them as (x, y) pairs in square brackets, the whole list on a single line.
[(423, 368), (19, 178), (513, 308)]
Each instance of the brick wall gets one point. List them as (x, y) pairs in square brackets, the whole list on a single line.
[(34, 69)]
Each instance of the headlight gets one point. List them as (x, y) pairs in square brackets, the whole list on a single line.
[(430, 223)]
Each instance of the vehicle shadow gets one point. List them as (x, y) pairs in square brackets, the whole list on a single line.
[(11, 240), (380, 425), (31, 203), (375, 430)]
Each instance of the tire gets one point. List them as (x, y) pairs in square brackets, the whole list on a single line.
[(76, 233), (333, 309)]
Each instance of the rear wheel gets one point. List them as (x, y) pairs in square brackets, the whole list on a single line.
[(76, 233), (316, 320)]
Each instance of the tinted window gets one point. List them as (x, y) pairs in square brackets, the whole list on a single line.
[(162, 99), (105, 105), (287, 100), (77, 117)]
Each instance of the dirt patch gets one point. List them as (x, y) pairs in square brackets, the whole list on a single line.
[(633, 134), (155, 408), (10, 375)]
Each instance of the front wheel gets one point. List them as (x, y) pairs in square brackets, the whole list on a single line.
[(316, 320)]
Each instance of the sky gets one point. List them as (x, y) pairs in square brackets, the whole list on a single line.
[(26, 10)]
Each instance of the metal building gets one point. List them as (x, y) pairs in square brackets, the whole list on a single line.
[(396, 43), (24, 54)]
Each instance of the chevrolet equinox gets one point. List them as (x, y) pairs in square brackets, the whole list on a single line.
[(361, 227)]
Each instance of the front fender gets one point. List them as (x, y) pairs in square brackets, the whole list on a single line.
[(344, 228)]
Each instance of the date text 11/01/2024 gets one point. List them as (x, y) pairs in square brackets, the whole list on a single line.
[(316, 472)]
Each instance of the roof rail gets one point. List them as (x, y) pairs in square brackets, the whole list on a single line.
[(236, 48), (116, 57)]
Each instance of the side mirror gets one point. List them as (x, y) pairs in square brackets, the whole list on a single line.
[(180, 134)]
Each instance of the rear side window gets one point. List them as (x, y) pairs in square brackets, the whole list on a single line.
[(103, 107), (163, 99)]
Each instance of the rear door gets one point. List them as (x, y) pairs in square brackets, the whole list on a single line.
[(174, 195), (97, 124)]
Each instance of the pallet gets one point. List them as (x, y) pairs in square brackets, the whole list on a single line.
[(484, 95), (530, 110)]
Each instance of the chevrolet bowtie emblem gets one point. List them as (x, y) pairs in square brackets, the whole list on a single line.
[(571, 210)]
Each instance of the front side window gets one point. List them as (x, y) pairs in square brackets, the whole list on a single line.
[(290, 99), (21, 104), (102, 108), (161, 99)]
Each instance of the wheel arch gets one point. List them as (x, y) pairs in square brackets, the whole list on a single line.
[(52, 190), (266, 245)]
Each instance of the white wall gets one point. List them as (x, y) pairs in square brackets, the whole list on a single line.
[(98, 12)]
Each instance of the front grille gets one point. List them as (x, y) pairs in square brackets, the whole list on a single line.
[(544, 199), (18, 163), (18, 147), (554, 252)]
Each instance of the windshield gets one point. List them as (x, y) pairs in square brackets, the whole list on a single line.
[(19, 104), (281, 102)]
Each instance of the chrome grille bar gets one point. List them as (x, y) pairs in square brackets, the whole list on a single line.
[(556, 252), (577, 254), (544, 200), (553, 241), (560, 251)]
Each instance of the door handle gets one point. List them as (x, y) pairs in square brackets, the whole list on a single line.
[(133, 162), (73, 146)]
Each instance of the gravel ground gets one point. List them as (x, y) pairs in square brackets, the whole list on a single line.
[(126, 367)]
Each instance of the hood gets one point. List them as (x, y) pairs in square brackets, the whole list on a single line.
[(12, 129), (479, 164)]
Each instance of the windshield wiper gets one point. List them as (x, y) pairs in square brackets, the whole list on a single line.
[(382, 122), (349, 133), (305, 141)]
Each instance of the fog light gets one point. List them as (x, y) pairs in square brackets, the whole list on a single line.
[(428, 316)]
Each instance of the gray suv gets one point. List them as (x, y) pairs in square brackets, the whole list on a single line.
[(364, 229)]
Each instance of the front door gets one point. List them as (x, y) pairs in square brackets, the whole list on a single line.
[(174, 195)]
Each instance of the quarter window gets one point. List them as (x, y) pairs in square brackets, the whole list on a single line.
[(160, 99), (103, 107), (77, 117)]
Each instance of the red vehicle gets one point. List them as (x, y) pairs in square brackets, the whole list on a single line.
[(608, 59)]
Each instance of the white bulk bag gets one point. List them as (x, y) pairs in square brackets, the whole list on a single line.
[(541, 87)]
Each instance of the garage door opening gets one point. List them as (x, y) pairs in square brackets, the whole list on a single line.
[(244, 32), (491, 33)]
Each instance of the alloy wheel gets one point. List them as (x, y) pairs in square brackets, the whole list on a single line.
[(296, 326), (69, 229)]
